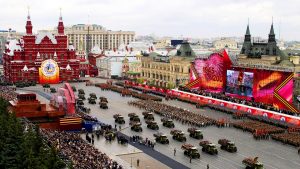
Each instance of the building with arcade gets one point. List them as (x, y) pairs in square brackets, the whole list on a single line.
[(43, 58)]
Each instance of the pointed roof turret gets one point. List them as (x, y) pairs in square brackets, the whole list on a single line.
[(38, 56), (60, 27), (272, 30), (68, 67), (272, 34), (248, 30), (28, 25)]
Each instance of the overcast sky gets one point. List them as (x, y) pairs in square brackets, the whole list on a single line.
[(187, 18)]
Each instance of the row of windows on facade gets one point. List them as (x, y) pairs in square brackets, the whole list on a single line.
[(174, 68), (45, 56), (261, 50), (102, 36), (156, 76)]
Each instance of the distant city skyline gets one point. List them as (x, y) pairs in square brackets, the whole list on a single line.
[(189, 18)]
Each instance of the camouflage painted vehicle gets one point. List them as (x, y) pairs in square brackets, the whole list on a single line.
[(168, 123), (119, 119), (161, 138), (178, 135), (227, 145), (195, 133), (92, 100), (93, 95), (252, 163), (148, 116), (208, 147), (79, 102), (81, 91), (81, 96), (134, 117), (190, 151), (152, 125), (103, 99), (137, 127), (103, 105)]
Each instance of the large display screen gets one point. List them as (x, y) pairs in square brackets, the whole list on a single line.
[(239, 83), (211, 72), (49, 72)]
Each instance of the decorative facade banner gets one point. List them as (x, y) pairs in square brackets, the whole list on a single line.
[(49, 72)]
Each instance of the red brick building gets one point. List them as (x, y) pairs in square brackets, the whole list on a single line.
[(22, 60)]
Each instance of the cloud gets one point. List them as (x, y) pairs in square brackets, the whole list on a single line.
[(190, 18)]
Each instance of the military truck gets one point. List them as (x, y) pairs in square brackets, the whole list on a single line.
[(52, 90), (152, 125), (103, 99), (168, 123), (119, 119), (81, 91), (195, 133), (148, 116), (92, 100), (81, 96), (252, 163), (80, 102), (103, 105), (178, 135), (137, 127), (161, 138), (133, 117), (208, 147), (190, 151), (93, 95), (227, 145)]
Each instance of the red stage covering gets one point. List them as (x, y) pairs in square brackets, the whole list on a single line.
[(242, 108)]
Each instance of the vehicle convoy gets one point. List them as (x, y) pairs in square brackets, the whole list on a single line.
[(103, 105), (178, 135), (190, 151), (195, 133), (103, 99), (208, 147), (152, 125), (251, 163), (93, 95), (92, 100), (148, 116), (134, 117), (168, 123), (136, 127), (227, 145), (119, 119), (161, 138)]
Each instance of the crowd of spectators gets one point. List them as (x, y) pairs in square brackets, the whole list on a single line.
[(251, 102), (177, 113), (82, 154), (8, 93)]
